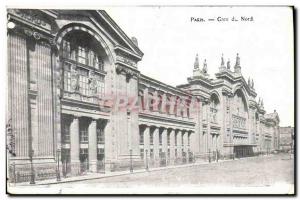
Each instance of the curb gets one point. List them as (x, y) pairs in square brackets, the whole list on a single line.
[(101, 176)]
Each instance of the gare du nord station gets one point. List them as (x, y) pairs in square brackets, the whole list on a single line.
[(77, 103)]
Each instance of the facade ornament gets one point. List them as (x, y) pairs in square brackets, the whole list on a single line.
[(228, 64), (237, 67), (127, 72), (92, 83), (204, 70), (196, 63), (135, 41), (237, 62), (119, 69), (222, 62), (74, 78)]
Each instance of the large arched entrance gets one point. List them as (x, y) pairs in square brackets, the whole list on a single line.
[(84, 64)]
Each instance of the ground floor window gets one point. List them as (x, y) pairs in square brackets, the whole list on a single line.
[(100, 154), (142, 153), (84, 159), (151, 153)]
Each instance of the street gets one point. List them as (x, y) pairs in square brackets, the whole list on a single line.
[(247, 175)]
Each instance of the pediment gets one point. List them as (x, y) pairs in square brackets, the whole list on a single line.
[(100, 20)]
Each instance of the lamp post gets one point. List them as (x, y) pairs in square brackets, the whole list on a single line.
[(131, 167), (58, 169), (32, 177), (147, 166)]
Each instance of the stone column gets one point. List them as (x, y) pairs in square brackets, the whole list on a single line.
[(172, 146), (199, 135), (179, 144), (156, 145), (110, 148), (165, 141), (185, 140), (93, 146), (147, 143), (74, 142)]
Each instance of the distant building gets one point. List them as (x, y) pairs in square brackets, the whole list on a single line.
[(286, 140), (68, 74)]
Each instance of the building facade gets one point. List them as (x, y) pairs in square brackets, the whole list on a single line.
[(286, 138), (77, 102)]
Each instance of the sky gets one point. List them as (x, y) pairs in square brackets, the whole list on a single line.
[(170, 40)]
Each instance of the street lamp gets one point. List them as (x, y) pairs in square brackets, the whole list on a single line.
[(147, 166), (32, 177), (131, 167), (58, 170)]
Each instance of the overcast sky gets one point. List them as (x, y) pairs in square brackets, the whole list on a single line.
[(170, 42)]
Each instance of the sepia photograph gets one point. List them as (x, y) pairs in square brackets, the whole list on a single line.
[(141, 100)]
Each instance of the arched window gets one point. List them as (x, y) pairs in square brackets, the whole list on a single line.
[(83, 64), (240, 110), (240, 104)]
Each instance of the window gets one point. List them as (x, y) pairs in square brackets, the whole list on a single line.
[(168, 138), (189, 139), (142, 153), (182, 141), (100, 136), (151, 98), (151, 138), (65, 155), (141, 137), (66, 133), (169, 153), (167, 105), (78, 53), (176, 139), (159, 103), (100, 154), (66, 49), (83, 81), (84, 137), (99, 85), (67, 77), (151, 153), (176, 155), (84, 151), (82, 57)]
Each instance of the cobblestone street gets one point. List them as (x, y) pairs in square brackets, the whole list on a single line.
[(267, 172)]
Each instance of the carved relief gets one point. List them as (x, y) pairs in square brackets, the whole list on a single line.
[(92, 83), (74, 79), (31, 16), (126, 60)]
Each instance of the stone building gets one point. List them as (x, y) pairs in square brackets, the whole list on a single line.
[(77, 102), (286, 138)]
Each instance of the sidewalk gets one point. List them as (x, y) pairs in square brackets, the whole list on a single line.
[(91, 176)]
